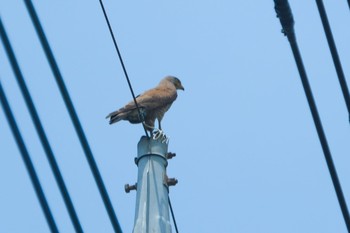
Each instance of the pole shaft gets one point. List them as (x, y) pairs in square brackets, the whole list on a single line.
[(152, 206)]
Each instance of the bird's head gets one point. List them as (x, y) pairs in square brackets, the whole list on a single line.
[(176, 82)]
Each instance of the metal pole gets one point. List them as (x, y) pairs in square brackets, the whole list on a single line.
[(152, 206)]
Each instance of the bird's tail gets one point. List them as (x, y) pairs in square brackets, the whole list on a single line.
[(130, 114), (115, 116)]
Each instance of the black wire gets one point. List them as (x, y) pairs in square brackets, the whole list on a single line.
[(28, 163), (74, 117), (172, 215), (334, 52), (123, 66), (39, 128), (322, 137), (281, 6)]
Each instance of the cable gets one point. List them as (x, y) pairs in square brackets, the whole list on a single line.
[(172, 215), (39, 129), (73, 115), (132, 92), (27, 161), (335, 56), (123, 66), (284, 13)]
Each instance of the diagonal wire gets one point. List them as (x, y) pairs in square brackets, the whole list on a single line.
[(73, 115), (285, 14), (173, 215), (27, 161), (334, 52), (40, 130), (123, 66)]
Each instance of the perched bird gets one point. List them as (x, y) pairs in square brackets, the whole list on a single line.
[(153, 104)]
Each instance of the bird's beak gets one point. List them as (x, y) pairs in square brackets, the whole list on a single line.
[(181, 88)]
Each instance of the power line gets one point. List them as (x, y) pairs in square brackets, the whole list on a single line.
[(285, 14), (132, 92), (173, 215), (27, 161), (40, 130), (334, 52), (123, 66), (73, 115)]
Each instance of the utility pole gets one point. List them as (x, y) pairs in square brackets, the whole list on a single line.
[(152, 205)]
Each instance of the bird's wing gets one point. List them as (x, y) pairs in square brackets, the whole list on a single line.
[(154, 98), (148, 101)]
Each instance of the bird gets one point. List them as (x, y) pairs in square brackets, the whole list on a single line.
[(153, 104)]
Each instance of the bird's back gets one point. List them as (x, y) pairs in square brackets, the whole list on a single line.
[(153, 104)]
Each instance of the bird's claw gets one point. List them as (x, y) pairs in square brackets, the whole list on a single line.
[(160, 135)]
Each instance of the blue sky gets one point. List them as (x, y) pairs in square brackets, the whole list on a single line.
[(248, 156)]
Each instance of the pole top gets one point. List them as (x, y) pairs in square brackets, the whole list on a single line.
[(152, 146)]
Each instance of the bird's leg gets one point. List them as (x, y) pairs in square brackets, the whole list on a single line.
[(148, 128), (159, 134), (156, 133), (159, 130), (159, 125), (151, 128)]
